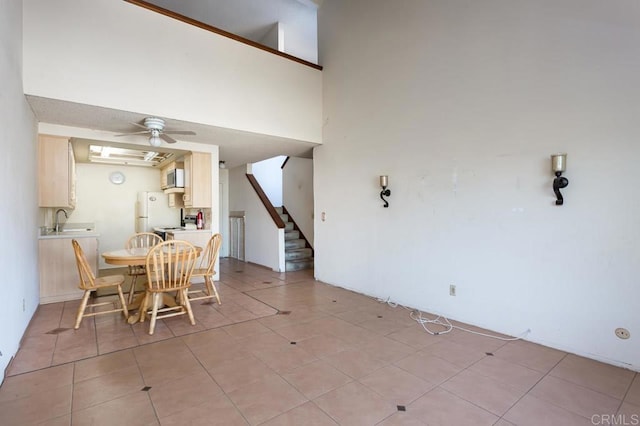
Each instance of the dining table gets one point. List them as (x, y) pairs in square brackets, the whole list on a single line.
[(137, 257)]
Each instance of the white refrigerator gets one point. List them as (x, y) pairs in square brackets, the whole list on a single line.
[(153, 211)]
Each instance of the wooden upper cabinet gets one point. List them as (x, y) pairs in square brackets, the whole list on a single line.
[(197, 180), (56, 172)]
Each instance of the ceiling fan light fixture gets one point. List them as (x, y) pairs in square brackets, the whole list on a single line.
[(155, 140)]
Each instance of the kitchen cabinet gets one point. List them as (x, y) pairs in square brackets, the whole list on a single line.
[(175, 199), (198, 238), (164, 184), (57, 172), (197, 180), (58, 269)]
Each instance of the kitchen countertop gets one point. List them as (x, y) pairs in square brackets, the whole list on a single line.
[(177, 231), (69, 230)]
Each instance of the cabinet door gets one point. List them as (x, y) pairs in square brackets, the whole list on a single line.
[(188, 188), (56, 172), (58, 269), (201, 180)]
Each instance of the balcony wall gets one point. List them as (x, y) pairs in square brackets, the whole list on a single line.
[(117, 55)]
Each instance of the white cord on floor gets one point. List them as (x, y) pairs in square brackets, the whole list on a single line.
[(417, 316)]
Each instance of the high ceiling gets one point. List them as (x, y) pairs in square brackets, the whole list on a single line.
[(247, 18)]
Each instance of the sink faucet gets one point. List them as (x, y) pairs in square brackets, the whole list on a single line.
[(57, 222)]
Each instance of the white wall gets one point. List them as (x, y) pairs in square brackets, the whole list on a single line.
[(112, 207), (18, 204), (461, 103), (121, 56), (264, 242), (268, 173), (297, 193)]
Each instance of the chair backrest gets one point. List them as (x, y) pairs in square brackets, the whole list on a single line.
[(143, 239), (87, 279), (208, 259), (169, 265)]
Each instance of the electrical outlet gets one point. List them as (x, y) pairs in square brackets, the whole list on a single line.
[(622, 333), (452, 290)]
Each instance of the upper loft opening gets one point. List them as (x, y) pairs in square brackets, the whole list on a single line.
[(285, 26)]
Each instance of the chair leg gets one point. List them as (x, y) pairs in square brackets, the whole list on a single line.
[(212, 286), (125, 311), (154, 312), (144, 305), (187, 306), (83, 306), (132, 290)]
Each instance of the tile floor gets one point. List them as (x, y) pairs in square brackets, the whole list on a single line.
[(330, 356)]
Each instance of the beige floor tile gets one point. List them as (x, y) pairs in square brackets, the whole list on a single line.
[(415, 336), (323, 345), (58, 421), (218, 410), (428, 367), (103, 364), (396, 385), (355, 363), (213, 354), (387, 350), (531, 411), (455, 353), (159, 371), (266, 399), (307, 414), (238, 373), (263, 342), (514, 375), (36, 382), (354, 404), (203, 338), (316, 378), (630, 413), (402, 418), (493, 396), (130, 410), (633, 395), (245, 329), (503, 422), (27, 361), (610, 380), (530, 355), (37, 407), (577, 399), (439, 407), (106, 387), (183, 393), (285, 358), (477, 341)]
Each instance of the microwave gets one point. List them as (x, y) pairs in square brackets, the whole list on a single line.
[(175, 178)]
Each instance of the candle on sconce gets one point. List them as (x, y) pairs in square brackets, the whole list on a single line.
[(559, 162), (384, 181)]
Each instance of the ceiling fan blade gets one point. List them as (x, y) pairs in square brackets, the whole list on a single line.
[(134, 133), (179, 132), (140, 125), (167, 138)]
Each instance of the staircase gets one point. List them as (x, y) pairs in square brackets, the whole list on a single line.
[(298, 254)]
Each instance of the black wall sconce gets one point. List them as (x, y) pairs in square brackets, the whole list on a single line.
[(558, 166), (384, 181)]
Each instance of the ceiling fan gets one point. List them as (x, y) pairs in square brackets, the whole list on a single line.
[(154, 126)]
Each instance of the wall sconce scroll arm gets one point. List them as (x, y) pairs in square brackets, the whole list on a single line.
[(385, 193), (558, 183)]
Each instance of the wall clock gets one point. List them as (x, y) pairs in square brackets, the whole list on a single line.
[(116, 178)]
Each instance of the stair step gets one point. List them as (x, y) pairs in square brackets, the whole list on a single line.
[(294, 244), (284, 217), (303, 253), (279, 210), (291, 235), (298, 265), (288, 226)]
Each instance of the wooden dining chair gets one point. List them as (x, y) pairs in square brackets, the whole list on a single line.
[(140, 240), (169, 266), (89, 283), (205, 268)]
